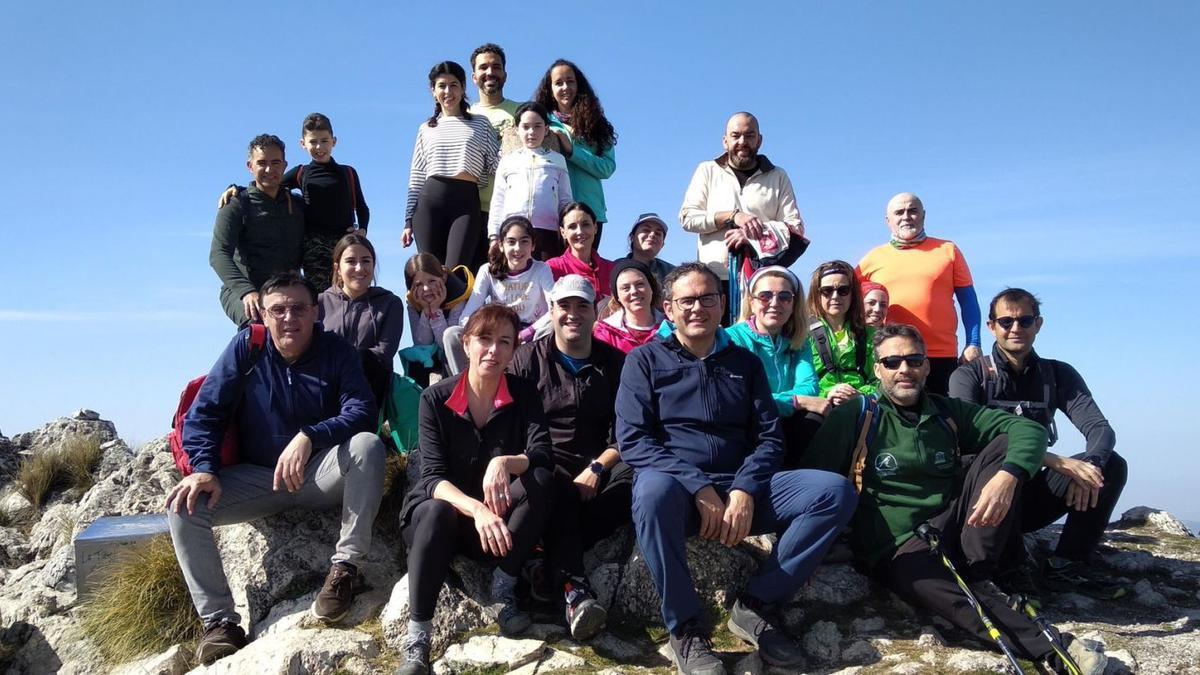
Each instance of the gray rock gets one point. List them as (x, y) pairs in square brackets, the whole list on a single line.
[(718, 572), (867, 625), (860, 652), (13, 549), (907, 668), (456, 613), (86, 415), (836, 585), (559, 660), (1145, 594), (615, 648), (297, 652), (1120, 662), (1075, 600), (59, 572), (174, 661), (293, 614), (976, 662), (1162, 521), (490, 651), (930, 637), (1129, 562), (54, 530), (821, 642)]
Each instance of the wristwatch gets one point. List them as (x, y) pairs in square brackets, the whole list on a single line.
[(597, 468), (729, 222)]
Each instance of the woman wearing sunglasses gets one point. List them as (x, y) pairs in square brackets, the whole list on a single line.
[(841, 340), (774, 327)]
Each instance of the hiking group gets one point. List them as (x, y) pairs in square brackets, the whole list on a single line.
[(563, 396)]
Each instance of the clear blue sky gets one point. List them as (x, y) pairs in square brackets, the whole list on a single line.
[(1057, 143)]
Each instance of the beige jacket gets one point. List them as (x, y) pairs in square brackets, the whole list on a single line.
[(714, 188)]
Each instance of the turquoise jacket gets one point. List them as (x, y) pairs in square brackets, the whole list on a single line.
[(789, 372), (586, 169)]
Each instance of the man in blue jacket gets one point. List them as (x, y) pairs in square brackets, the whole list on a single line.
[(696, 421), (303, 414)]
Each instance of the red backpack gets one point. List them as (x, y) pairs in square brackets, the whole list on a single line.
[(229, 449)]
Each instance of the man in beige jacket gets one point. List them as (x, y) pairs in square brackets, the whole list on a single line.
[(738, 196)]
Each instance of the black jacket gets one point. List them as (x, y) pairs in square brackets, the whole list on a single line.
[(1070, 395), (452, 449), (580, 408)]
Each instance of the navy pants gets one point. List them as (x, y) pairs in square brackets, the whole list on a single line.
[(805, 509)]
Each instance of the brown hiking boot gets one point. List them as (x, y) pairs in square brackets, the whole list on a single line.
[(337, 595), (220, 640)]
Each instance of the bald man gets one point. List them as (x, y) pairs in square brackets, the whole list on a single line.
[(734, 198), (924, 276)]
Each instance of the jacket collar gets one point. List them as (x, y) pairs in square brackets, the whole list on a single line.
[(721, 343), (458, 398), (764, 164), (1003, 365)]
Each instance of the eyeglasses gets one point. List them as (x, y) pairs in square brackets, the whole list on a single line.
[(1006, 322), (765, 297), (281, 311), (830, 291), (706, 300), (893, 362)]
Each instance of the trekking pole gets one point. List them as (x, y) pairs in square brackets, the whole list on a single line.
[(1022, 604), (931, 536)]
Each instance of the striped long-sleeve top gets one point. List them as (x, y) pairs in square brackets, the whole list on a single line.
[(454, 146)]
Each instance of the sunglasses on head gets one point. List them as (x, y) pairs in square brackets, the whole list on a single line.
[(893, 362), (830, 291), (1006, 322)]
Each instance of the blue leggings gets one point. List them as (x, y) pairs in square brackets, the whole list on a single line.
[(805, 508)]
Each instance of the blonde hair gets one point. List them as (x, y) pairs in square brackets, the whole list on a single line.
[(796, 328)]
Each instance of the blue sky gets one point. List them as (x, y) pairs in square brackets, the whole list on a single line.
[(1055, 142)]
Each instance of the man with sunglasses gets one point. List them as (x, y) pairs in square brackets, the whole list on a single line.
[(912, 469), (304, 415), (924, 276), (696, 421), (1084, 487)]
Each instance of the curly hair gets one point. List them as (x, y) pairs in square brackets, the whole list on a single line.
[(456, 71), (587, 115), (264, 141)]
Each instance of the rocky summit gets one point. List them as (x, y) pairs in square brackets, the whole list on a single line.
[(845, 624)]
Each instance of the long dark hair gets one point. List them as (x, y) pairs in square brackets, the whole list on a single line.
[(346, 242), (854, 316), (497, 262), (587, 115), (456, 71)]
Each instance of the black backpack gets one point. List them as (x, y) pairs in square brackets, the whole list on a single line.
[(820, 338), (1041, 411)]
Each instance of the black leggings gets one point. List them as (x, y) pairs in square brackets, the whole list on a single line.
[(576, 525), (447, 222), (436, 531), (798, 431)]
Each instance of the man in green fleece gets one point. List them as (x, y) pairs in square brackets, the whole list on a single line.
[(257, 235), (916, 470)]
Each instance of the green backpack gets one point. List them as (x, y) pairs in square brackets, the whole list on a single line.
[(398, 414)]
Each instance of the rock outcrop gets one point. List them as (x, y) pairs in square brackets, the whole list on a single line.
[(276, 565)]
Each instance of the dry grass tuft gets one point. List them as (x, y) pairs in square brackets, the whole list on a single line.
[(142, 605), (68, 466)]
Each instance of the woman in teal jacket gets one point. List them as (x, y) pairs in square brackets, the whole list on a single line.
[(774, 328), (841, 341), (584, 134)]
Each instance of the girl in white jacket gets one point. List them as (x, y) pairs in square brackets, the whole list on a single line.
[(532, 182)]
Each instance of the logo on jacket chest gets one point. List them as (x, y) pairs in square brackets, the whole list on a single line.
[(886, 465)]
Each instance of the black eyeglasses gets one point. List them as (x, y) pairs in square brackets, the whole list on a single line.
[(893, 362), (706, 300), (765, 297), (830, 291), (1006, 322)]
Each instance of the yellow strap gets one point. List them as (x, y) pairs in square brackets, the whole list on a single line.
[(859, 462)]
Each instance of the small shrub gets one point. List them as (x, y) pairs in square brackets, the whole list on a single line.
[(141, 605), (68, 466)]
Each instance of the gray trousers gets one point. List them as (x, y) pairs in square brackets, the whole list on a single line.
[(350, 475), (456, 355)]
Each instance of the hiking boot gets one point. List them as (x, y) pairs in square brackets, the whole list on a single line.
[(220, 640), (1070, 576), (758, 624), (541, 588), (1018, 580), (585, 616), (1087, 654), (510, 617), (337, 594), (415, 648), (692, 652)]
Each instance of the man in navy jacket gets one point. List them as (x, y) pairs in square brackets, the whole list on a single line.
[(303, 415), (696, 421)]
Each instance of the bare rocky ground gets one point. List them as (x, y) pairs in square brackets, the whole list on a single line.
[(846, 624)]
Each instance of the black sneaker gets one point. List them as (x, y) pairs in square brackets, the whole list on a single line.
[(336, 596), (757, 624), (415, 648), (1018, 580), (509, 615), (585, 616), (1070, 576), (692, 652), (220, 640)]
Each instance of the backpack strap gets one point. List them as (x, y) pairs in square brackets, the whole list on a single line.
[(243, 197), (947, 420), (820, 338), (989, 380), (300, 178), (860, 353), (868, 425), (1049, 396), (350, 183), (258, 343)]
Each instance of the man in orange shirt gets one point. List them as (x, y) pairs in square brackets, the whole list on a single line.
[(923, 276)]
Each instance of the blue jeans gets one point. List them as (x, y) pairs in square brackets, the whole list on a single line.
[(806, 509)]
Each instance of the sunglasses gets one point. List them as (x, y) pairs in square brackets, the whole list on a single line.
[(830, 291), (281, 311), (765, 297), (893, 362), (1006, 322)]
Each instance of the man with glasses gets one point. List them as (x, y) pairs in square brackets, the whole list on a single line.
[(1085, 487), (258, 234), (696, 421), (303, 415), (924, 276), (911, 468)]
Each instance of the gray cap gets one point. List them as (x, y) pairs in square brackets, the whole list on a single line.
[(572, 286), (649, 218)]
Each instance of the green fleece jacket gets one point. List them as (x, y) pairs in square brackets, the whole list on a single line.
[(247, 248), (911, 472), (844, 356)]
